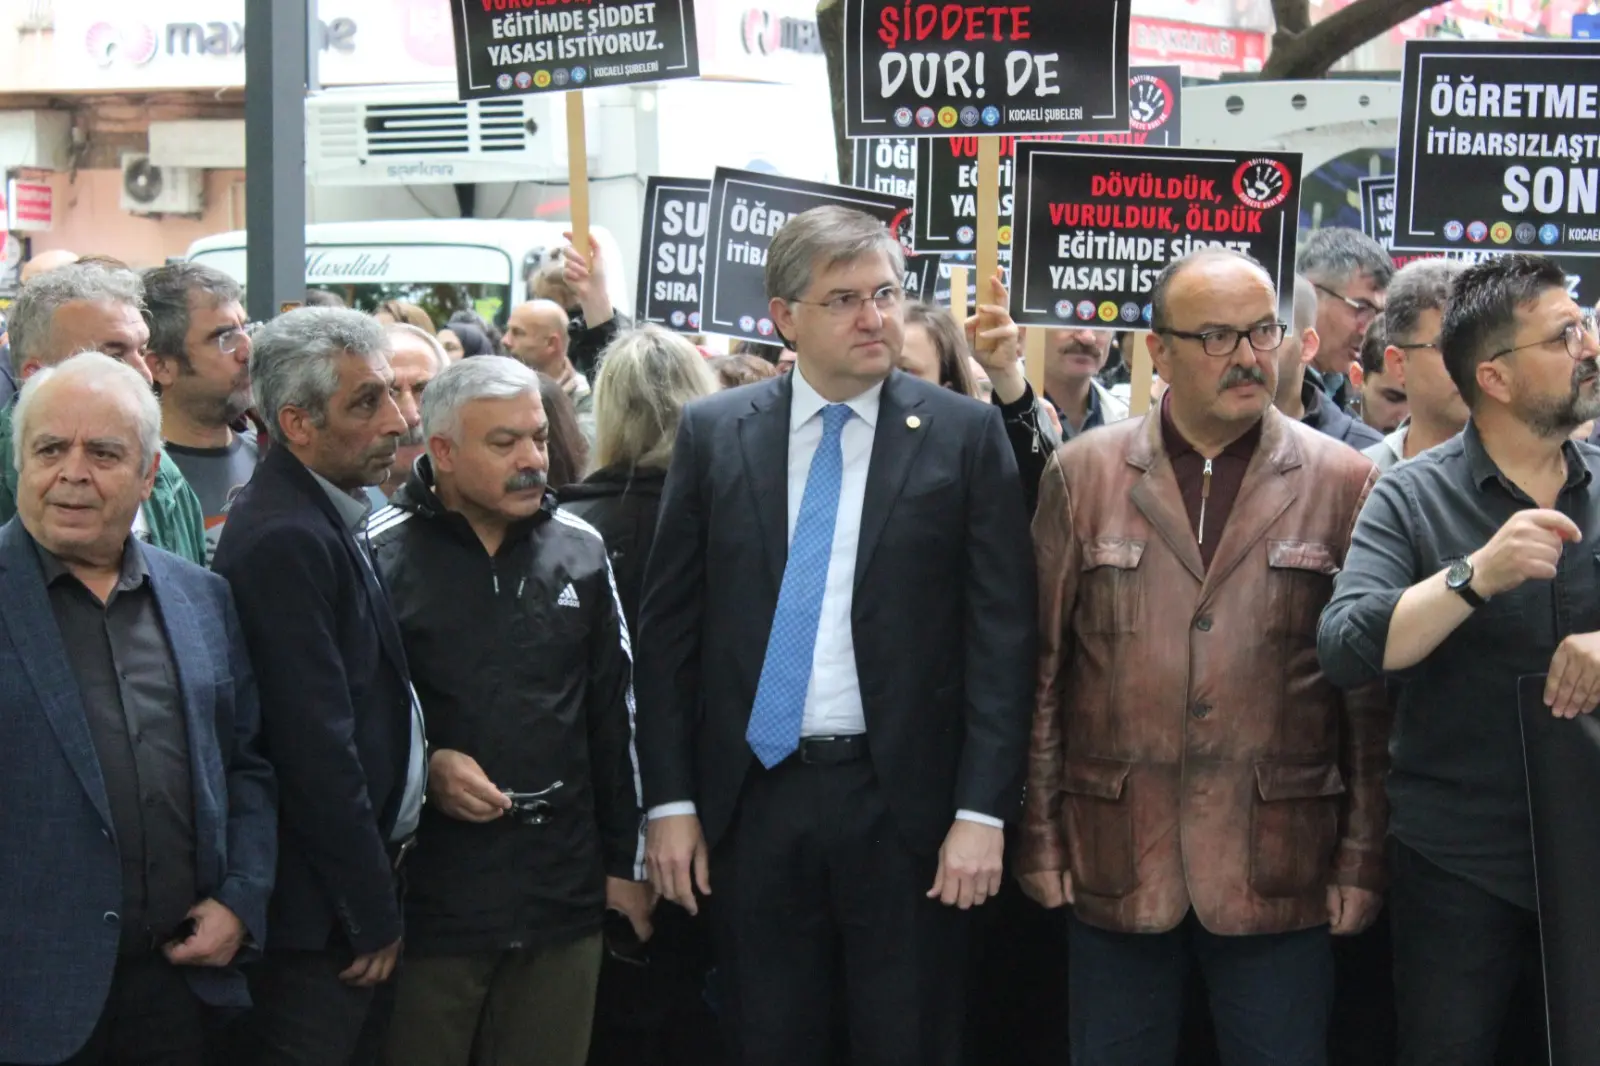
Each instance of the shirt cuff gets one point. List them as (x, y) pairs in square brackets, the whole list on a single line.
[(671, 810), (981, 819)]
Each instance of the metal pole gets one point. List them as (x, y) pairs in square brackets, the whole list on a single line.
[(275, 154)]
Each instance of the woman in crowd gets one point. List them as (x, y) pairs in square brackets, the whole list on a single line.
[(646, 377), (735, 370), (461, 340), (569, 451), (652, 1015), (935, 350), (471, 318), (392, 312)]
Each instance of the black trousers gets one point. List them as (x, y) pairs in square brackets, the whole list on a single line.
[(303, 1015), (1270, 995), (1467, 972), (818, 905), (150, 1018), (657, 1014)]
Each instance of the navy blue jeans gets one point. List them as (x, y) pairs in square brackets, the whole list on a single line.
[(1270, 995)]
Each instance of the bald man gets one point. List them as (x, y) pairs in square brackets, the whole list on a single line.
[(536, 334), (45, 262), (1198, 791)]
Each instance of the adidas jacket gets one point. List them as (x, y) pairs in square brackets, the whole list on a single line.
[(522, 661)]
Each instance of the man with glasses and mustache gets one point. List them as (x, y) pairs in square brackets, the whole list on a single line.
[(1350, 272), (199, 356), (1199, 793), (1472, 565), (835, 656), (535, 828)]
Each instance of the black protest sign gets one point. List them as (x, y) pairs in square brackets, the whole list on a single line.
[(922, 277), (1155, 109), (884, 164), (747, 211), (1095, 224), (1377, 222), (510, 48), (946, 216), (1498, 147), (671, 252), (1377, 208), (975, 66)]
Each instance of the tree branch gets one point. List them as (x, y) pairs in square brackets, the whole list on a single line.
[(1310, 52)]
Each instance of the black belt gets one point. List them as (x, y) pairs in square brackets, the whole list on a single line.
[(832, 751)]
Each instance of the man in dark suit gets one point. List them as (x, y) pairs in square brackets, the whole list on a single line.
[(833, 675), (137, 838), (338, 713)]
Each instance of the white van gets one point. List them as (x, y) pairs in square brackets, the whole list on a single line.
[(444, 265)]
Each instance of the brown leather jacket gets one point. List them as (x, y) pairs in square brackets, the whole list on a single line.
[(1187, 750)]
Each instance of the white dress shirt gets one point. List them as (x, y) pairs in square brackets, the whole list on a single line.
[(833, 697)]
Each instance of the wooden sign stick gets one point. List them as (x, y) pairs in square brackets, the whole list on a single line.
[(1034, 340), (578, 172), (988, 247), (1142, 370), (958, 296)]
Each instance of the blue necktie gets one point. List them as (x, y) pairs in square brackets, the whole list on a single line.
[(774, 730)]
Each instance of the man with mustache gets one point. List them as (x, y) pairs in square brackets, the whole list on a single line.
[(504, 904), (1072, 359), (199, 356), (415, 356), (1198, 792), (341, 722), (1473, 565)]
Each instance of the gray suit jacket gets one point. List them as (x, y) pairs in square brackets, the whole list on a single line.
[(60, 876)]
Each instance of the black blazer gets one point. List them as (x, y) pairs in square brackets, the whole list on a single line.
[(942, 614), (335, 706)]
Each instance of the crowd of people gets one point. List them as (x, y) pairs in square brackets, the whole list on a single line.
[(379, 690)]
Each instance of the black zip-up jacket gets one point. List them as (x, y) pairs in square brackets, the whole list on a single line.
[(622, 503), (522, 661)]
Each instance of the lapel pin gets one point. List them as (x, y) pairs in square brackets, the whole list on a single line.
[(913, 422)]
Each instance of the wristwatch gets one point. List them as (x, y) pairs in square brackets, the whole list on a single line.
[(1458, 579)]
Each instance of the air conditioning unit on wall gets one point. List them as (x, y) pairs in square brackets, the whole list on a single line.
[(423, 135), (153, 190)]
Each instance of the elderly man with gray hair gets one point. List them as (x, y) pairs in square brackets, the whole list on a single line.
[(138, 842), (342, 724), (835, 667), (534, 829), (95, 307)]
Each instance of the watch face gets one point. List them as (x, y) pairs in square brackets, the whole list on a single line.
[(1459, 575)]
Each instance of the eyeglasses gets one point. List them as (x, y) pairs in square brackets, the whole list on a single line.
[(1434, 344), (849, 304), (1572, 335), (230, 340), (1218, 343), (1364, 309)]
